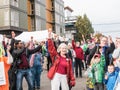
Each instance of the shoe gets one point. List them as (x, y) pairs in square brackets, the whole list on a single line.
[(34, 88), (38, 87)]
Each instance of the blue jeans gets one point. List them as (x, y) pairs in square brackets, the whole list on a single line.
[(99, 86), (28, 76), (36, 71), (89, 89)]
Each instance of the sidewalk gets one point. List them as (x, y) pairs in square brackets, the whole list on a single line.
[(45, 83)]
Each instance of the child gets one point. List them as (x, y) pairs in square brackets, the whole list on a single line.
[(89, 82), (110, 77), (98, 71)]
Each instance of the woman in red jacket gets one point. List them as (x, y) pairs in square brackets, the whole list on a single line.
[(64, 74)]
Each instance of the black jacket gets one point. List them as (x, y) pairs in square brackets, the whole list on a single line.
[(17, 53), (13, 69), (108, 51)]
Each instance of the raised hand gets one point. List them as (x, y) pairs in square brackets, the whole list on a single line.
[(106, 77), (72, 37), (50, 30), (49, 35), (110, 39), (8, 48)]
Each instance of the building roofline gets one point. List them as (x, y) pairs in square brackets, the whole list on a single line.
[(70, 9)]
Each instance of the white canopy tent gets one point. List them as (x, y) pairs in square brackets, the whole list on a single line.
[(1, 38), (37, 35)]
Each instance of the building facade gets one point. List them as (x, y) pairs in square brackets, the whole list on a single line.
[(49, 14), (31, 15), (36, 15), (13, 16), (55, 16), (70, 21)]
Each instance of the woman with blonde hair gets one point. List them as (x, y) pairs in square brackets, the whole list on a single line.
[(63, 75)]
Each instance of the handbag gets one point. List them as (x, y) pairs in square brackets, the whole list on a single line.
[(51, 72)]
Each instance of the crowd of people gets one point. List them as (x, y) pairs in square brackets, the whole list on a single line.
[(64, 61)]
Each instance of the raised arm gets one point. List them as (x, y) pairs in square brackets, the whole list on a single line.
[(17, 52), (32, 51), (112, 45), (51, 48), (10, 58), (83, 38), (73, 42), (91, 54)]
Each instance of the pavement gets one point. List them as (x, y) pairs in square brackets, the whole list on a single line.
[(45, 83)]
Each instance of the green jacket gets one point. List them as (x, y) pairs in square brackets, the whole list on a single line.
[(85, 46), (98, 70), (44, 50)]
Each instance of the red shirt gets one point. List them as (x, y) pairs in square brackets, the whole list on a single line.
[(24, 63), (78, 51), (62, 66)]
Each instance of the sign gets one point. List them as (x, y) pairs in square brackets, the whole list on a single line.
[(2, 74)]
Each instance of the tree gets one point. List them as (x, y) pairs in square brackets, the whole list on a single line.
[(84, 27)]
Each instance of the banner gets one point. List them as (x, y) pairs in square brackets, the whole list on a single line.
[(2, 74)]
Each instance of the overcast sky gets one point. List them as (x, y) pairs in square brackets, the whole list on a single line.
[(98, 11)]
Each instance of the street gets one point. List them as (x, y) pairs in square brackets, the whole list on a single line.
[(45, 83)]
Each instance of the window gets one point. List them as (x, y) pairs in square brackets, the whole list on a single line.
[(6, 18), (33, 24), (14, 18), (60, 30), (57, 18), (38, 24), (57, 29), (61, 9), (6, 2), (56, 6), (15, 3), (61, 19), (37, 9)]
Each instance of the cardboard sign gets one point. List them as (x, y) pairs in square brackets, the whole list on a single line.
[(2, 74)]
